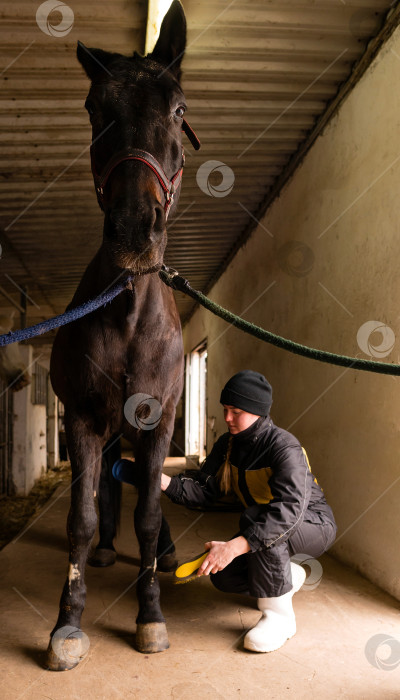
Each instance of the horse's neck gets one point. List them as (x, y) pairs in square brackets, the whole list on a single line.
[(100, 275)]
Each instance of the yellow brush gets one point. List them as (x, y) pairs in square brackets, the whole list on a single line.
[(188, 571)]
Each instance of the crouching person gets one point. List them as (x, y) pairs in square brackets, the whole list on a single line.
[(284, 509)]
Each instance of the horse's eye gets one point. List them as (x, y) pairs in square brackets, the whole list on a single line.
[(90, 107), (180, 111)]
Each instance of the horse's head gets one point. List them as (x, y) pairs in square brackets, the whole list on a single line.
[(136, 105)]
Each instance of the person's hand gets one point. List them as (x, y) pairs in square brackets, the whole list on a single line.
[(220, 554), (164, 481)]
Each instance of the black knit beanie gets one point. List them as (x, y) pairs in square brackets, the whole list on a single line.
[(249, 391)]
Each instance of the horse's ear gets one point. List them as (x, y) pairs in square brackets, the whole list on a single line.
[(171, 42), (94, 61)]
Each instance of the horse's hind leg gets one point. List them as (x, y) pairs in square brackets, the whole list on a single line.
[(166, 557), (109, 502), (67, 645)]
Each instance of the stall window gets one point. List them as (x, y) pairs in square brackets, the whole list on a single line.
[(196, 402), (39, 385)]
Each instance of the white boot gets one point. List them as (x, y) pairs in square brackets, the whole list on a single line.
[(278, 622)]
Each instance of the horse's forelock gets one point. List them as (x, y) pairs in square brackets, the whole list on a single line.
[(128, 71)]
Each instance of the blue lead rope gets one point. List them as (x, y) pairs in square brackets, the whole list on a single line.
[(66, 317)]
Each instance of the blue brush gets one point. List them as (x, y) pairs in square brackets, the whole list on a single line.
[(123, 470)]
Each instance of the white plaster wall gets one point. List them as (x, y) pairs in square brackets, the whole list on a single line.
[(29, 435), (343, 205)]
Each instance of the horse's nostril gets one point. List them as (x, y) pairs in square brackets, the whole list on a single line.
[(159, 219)]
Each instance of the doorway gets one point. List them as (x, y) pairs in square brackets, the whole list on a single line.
[(6, 438)]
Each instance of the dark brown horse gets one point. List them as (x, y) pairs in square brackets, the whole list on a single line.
[(133, 346)]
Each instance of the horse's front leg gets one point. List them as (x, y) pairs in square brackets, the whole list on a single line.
[(151, 631), (68, 644)]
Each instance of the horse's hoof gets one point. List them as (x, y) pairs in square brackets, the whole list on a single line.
[(102, 557), (151, 637), (167, 562), (67, 647)]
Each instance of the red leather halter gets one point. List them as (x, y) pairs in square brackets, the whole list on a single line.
[(169, 186)]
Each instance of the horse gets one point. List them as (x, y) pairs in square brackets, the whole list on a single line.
[(132, 348)]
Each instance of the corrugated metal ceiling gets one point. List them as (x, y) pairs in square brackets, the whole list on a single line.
[(257, 77)]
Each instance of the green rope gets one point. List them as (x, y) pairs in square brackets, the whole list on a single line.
[(172, 279)]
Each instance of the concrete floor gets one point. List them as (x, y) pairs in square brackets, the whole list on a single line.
[(326, 659)]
